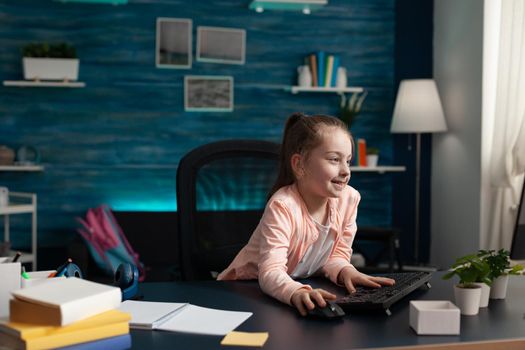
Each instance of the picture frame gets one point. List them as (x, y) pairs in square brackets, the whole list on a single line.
[(208, 93), (221, 45), (173, 47)]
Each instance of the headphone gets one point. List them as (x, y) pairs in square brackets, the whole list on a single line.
[(72, 270), (127, 279)]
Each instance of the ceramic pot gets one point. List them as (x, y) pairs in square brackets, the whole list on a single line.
[(371, 160), (304, 76), (499, 287), (467, 299), (341, 80), (485, 293), (7, 155)]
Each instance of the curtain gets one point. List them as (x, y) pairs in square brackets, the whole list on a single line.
[(508, 147)]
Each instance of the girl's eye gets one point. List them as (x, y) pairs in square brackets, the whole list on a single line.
[(334, 160)]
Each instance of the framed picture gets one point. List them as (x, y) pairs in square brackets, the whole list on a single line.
[(221, 45), (208, 93), (173, 46)]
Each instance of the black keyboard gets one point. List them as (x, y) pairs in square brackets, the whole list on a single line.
[(369, 299)]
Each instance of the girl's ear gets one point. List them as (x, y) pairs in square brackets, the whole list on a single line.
[(296, 161)]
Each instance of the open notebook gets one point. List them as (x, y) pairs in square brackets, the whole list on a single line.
[(182, 317)]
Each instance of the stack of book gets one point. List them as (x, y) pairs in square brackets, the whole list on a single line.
[(323, 67), (68, 314)]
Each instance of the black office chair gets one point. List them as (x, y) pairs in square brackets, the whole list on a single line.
[(222, 189)]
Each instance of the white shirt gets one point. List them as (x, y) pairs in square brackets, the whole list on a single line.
[(317, 254)]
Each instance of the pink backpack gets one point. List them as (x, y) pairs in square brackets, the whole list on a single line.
[(106, 242)]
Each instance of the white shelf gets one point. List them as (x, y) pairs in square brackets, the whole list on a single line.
[(58, 84), (350, 89), (378, 169), (22, 203), (21, 168)]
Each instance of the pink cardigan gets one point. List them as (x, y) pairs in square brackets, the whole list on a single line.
[(283, 236)]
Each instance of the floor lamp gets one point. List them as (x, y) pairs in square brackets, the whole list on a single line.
[(418, 110)]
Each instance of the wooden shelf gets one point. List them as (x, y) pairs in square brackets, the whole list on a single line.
[(378, 169), (58, 84), (21, 168), (349, 89)]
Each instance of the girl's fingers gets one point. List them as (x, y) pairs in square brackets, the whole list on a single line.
[(384, 281), (318, 297), (327, 294), (349, 286), (300, 307), (305, 298)]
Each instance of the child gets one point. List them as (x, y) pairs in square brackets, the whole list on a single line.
[(309, 222)]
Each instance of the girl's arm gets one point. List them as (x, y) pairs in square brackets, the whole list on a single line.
[(277, 225), (340, 257)]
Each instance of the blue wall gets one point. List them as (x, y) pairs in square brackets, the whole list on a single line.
[(119, 139)]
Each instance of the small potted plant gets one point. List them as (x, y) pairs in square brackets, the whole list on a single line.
[(349, 108), (500, 269), (470, 269), (372, 156), (42, 61)]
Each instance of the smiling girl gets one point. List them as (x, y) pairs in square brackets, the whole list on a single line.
[(309, 222)]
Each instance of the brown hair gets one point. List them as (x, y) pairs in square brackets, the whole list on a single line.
[(302, 133)]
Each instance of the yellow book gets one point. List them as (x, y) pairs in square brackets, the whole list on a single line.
[(31, 331), (57, 340)]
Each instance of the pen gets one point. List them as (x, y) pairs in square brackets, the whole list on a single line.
[(61, 269), (17, 255), (24, 273)]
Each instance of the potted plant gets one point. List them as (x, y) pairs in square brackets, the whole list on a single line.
[(43, 61), (372, 156), (500, 269), (349, 108), (470, 269)]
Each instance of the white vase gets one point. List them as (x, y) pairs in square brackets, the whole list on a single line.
[(341, 80), (485, 293), (467, 299), (50, 68), (499, 287), (371, 160), (304, 76)]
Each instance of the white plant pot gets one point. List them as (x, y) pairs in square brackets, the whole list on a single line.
[(499, 287), (467, 299), (50, 68), (485, 293), (371, 160)]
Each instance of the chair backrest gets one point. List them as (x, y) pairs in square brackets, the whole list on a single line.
[(222, 189)]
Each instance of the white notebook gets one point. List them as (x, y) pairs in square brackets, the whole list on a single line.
[(182, 317), (63, 302)]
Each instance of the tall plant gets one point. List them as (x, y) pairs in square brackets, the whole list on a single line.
[(499, 263), (349, 108)]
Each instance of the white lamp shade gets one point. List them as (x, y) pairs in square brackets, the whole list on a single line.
[(418, 108)]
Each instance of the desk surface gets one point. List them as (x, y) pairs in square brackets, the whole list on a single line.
[(503, 319)]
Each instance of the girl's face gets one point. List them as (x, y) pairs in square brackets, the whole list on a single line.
[(325, 171)]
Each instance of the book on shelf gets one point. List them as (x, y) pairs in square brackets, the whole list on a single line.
[(321, 62), (62, 302), (328, 72), (361, 152), (334, 71), (182, 317), (312, 59), (27, 336)]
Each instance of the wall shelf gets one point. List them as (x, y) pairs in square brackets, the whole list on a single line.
[(378, 169), (337, 90), (21, 168), (57, 84)]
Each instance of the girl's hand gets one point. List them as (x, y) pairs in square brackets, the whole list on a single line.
[(303, 299), (350, 278)]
